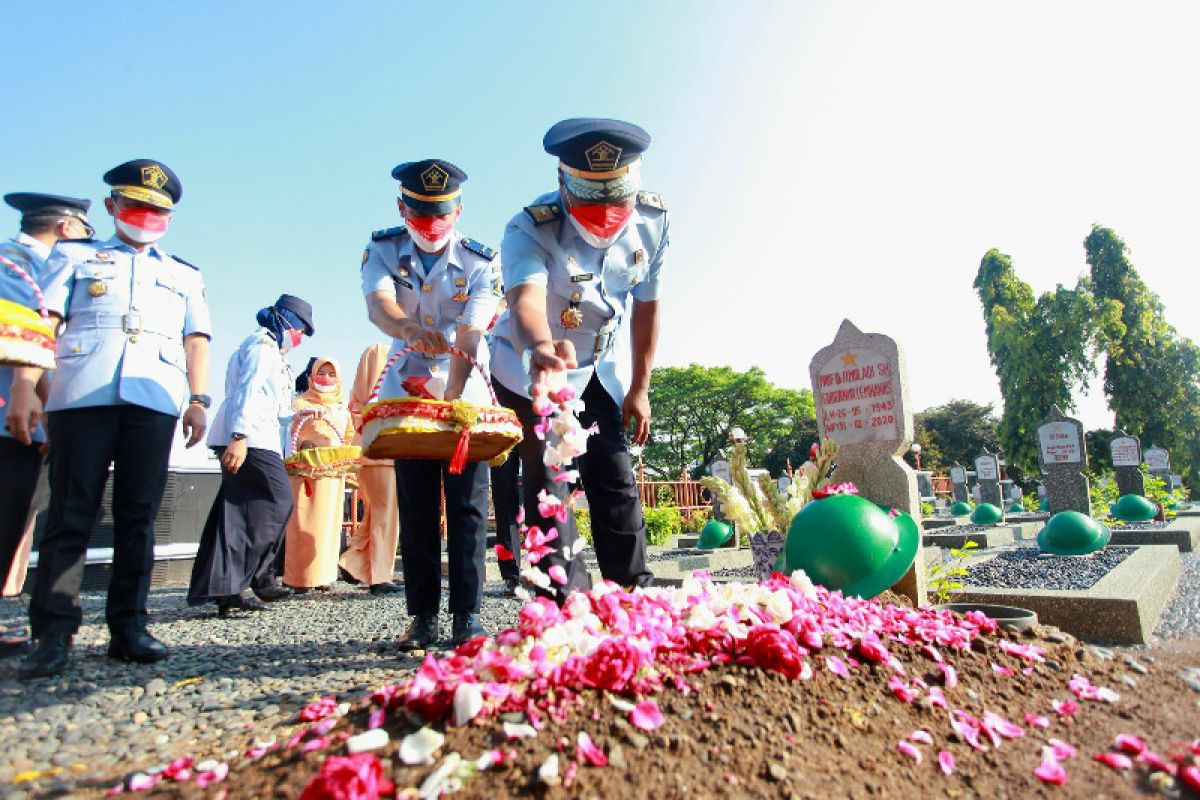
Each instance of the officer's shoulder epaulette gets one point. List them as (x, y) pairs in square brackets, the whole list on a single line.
[(651, 200), (543, 213), (479, 248), (388, 233), (185, 263)]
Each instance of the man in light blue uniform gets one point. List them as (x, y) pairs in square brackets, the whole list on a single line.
[(428, 286), (581, 274), (45, 218), (131, 356)]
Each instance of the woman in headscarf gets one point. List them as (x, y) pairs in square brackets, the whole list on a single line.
[(314, 534), (246, 525), (371, 555)]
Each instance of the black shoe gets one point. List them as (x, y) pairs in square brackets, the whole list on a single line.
[(49, 657), (235, 602), (346, 577), (422, 632), (271, 593), (511, 585), (386, 588), (137, 646), (466, 627)]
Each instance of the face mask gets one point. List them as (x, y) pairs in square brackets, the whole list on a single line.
[(323, 384), (600, 225), (430, 233), (142, 225), (294, 338)]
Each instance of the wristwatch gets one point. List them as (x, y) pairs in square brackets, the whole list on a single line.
[(202, 400), (237, 437)]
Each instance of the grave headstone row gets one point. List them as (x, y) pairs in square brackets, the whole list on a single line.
[(1063, 460), (1126, 452)]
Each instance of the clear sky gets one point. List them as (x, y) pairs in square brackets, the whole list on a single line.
[(820, 160)]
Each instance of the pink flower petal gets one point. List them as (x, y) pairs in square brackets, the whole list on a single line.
[(837, 666), (503, 553), (950, 675), (645, 715), (587, 751), (1189, 775), (994, 722), (1037, 721), (1062, 750), (910, 750), (1115, 760), (1006, 671), (558, 574), (1050, 770), (946, 762), (921, 736), (1128, 743), (1065, 708)]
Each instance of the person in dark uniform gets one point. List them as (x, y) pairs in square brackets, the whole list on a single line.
[(506, 502), (428, 286), (45, 218), (131, 356), (246, 526), (582, 267)]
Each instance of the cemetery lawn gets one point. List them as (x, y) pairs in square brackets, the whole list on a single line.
[(750, 732)]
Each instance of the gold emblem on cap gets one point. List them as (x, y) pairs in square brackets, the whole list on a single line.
[(434, 179), (638, 255), (602, 156), (154, 177), (571, 317), (97, 288)]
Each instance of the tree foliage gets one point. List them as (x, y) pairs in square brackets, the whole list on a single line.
[(1041, 349), (1152, 378), (955, 432), (696, 407)]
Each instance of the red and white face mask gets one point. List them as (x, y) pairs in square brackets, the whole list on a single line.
[(599, 224), (294, 338), (324, 383), (432, 233), (141, 224)]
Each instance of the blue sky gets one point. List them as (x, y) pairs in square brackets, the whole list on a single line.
[(820, 160)]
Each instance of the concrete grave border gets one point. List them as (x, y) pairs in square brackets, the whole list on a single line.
[(990, 539), (1123, 607), (1183, 533)]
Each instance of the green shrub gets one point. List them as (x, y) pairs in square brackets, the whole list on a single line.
[(697, 521), (583, 523), (662, 524), (1031, 502), (666, 495), (927, 509), (1103, 490)]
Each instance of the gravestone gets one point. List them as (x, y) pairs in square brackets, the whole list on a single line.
[(1158, 463), (861, 398), (987, 472), (1126, 452), (1063, 459), (958, 483)]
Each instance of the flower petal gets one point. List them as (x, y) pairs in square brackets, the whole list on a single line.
[(418, 747), (587, 751), (646, 715), (1050, 770), (909, 749), (1117, 761), (946, 761)]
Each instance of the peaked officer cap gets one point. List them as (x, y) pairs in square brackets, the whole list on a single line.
[(430, 186), (596, 148), (146, 181), (30, 203)]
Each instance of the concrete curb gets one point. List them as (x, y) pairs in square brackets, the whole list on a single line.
[(1183, 533), (1122, 607)]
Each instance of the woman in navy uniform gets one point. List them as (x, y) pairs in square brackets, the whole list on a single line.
[(131, 356), (581, 273), (429, 286)]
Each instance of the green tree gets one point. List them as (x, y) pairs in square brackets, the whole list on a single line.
[(1152, 378), (696, 407), (955, 432), (1041, 349)]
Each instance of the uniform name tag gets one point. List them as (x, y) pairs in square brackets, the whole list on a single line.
[(403, 283), (581, 277)]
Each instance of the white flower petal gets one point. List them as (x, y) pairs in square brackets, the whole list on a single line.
[(468, 702), (418, 747)]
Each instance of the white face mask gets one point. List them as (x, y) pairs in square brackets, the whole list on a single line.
[(429, 246), (599, 242)]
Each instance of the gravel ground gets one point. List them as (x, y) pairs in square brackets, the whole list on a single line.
[(1026, 568), (1138, 526), (224, 677), (1181, 617), (962, 529)]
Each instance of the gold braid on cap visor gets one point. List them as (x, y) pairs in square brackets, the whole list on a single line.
[(615, 185)]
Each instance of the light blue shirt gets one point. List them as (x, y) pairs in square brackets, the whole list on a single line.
[(258, 396), (126, 314), (462, 287), (29, 254), (600, 283)]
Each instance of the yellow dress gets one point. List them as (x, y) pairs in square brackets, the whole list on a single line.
[(371, 554), (314, 532)]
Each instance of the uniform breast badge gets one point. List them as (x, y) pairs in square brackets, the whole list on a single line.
[(97, 288), (571, 316), (460, 297)]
